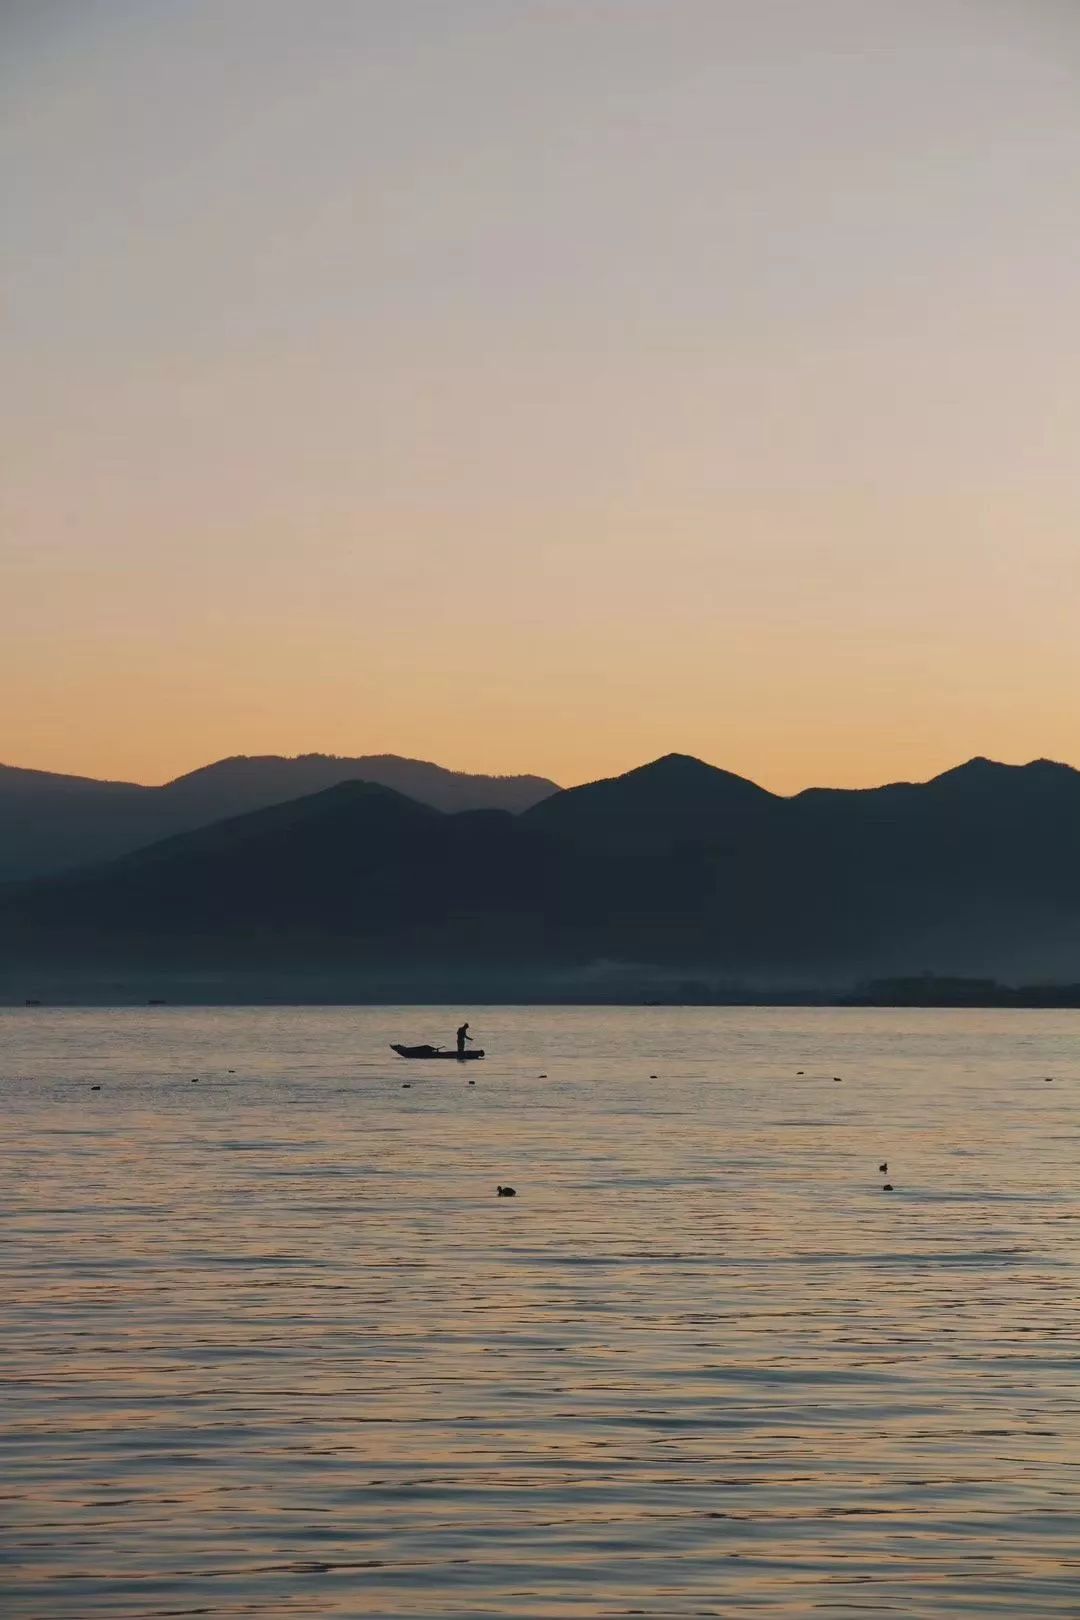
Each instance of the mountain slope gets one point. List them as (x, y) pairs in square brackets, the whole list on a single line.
[(356, 861), (49, 821)]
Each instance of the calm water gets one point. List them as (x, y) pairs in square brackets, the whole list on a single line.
[(272, 1347)]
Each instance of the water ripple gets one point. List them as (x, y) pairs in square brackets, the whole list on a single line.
[(273, 1348)]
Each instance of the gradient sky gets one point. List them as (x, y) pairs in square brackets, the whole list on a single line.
[(541, 384)]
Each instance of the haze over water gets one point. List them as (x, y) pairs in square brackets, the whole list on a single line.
[(274, 1347)]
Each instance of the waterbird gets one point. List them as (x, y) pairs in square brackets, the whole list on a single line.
[(837, 1080), (194, 1079), (883, 1167), (888, 1187), (800, 1071), (506, 1192), (541, 1077), (472, 1082), (654, 1077), (95, 1088), (405, 1085)]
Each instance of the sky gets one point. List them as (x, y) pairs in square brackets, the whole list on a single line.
[(540, 385)]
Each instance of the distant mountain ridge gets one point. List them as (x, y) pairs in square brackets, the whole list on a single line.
[(51, 822), (675, 866)]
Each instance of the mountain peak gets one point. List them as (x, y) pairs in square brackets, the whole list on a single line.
[(667, 800), (685, 769), (686, 764), (979, 772)]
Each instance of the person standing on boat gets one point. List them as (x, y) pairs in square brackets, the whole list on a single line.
[(462, 1036)]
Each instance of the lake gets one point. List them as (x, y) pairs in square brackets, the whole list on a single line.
[(272, 1346)]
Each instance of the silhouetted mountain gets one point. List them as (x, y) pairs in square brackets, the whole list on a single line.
[(232, 786), (675, 867), (356, 867), (49, 823), (673, 799)]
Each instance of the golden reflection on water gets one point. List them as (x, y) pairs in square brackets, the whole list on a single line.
[(273, 1347)]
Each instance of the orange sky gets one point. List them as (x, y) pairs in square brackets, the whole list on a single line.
[(541, 387)]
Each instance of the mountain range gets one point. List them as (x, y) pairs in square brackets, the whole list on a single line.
[(49, 822), (674, 869)]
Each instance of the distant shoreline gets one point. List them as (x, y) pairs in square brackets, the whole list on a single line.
[(121, 991)]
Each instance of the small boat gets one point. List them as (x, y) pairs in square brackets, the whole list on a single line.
[(434, 1052)]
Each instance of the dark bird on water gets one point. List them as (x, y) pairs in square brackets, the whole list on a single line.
[(888, 1187), (506, 1192), (883, 1167), (95, 1088)]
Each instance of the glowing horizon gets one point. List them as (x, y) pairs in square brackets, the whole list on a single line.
[(541, 389), (480, 770)]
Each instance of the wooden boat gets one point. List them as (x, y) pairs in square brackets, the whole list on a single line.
[(434, 1052)]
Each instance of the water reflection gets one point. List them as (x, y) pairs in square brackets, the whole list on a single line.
[(274, 1346)]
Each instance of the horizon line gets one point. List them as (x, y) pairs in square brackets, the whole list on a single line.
[(537, 776)]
